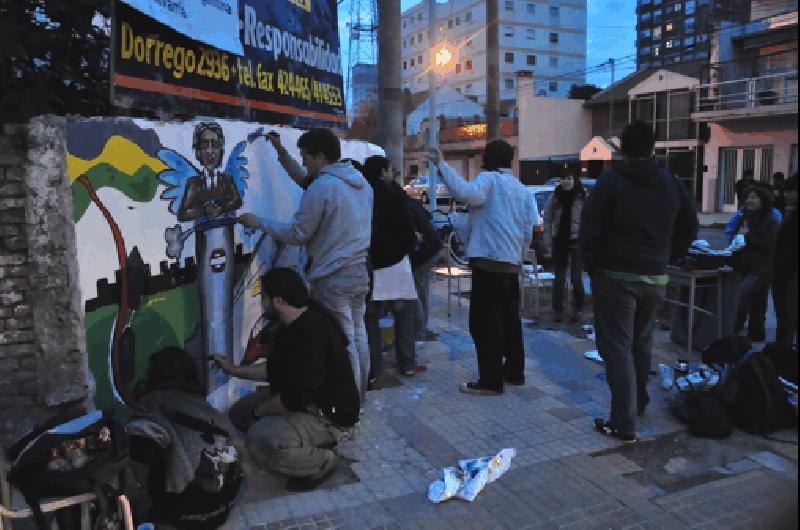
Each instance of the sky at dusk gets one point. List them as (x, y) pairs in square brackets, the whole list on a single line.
[(611, 32)]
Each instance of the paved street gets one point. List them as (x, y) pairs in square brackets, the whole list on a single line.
[(564, 474)]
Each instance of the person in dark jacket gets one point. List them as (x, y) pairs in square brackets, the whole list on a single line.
[(393, 287), (312, 401), (637, 219), (562, 219), (427, 247), (784, 287), (755, 262), (742, 185)]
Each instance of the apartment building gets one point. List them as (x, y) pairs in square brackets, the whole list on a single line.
[(547, 37)]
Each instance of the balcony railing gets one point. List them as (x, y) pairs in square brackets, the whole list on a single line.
[(751, 93)]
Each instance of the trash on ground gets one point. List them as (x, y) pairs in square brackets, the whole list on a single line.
[(667, 380), (469, 478), (701, 378), (593, 355)]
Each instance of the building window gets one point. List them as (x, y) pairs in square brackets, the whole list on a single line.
[(450, 24), (645, 34), (645, 50), (689, 25), (458, 68), (688, 42), (405, 65), (412, 62), (468, 87), (530, 60), (531, 8), (656, 51), (701, 38), (509, 5), (668, 44), (419, 59), (411, 41), (657, 15), (468, 16), (657, 32), (554, 38), (554, 12), (509, 57), (458, 21), (508, 31), (404, 24), (468, 67), (419, 15), (668, 27), (405, 44), (644, 18), (530, 33), (552, 86), (553, 61), (419, 38), (458, 89), (689, 7), (509, 83)]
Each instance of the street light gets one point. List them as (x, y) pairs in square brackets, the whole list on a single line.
[(442, 59)]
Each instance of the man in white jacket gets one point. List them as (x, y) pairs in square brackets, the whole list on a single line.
[(334, 222), (502, 216)]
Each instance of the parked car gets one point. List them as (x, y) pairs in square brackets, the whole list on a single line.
[(418, 189)]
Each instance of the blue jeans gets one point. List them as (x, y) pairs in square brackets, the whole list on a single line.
[(344, 293), (405, 317), (422, 281)]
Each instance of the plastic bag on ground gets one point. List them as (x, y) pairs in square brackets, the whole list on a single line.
[(470, 477)]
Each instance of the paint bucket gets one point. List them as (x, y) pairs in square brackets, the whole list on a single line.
[(386, 325)]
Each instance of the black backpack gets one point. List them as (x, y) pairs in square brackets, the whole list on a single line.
[(708, 415), (726, 350), (761, 405), (70, 455)]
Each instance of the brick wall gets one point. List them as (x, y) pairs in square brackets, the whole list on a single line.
[(43, 362)]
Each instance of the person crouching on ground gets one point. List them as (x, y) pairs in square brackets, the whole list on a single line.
[(562, 221), (501, 220), (312, 402)]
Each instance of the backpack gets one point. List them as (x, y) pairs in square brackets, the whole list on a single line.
[(708, 415), (209, 497), (726, 350), (761, 405), (70, 455)]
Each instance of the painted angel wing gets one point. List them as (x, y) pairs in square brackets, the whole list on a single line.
[(237, 167), (179, 172)]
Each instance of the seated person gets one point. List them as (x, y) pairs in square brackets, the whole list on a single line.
[(180, 447), (312, 401)]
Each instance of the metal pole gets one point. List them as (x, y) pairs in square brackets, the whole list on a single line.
[(492, 71), (433, 124), (611, 104), (390, 101)]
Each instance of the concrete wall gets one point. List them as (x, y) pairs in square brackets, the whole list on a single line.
[(43, 364), (551, 126), (779, 133)]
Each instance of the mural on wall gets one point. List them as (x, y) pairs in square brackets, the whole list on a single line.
[(162, 260)]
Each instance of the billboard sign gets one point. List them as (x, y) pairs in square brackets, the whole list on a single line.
[(290, 71)]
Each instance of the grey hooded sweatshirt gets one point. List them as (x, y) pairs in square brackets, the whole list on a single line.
[(334, 221)]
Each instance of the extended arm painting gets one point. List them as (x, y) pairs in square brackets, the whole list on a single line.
[(162, 260)]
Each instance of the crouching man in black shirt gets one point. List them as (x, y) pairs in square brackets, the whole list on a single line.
[(312, 402)]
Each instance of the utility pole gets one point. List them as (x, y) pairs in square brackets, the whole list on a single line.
[(611, 104), (492, 71), (390, 100), (433, 123)]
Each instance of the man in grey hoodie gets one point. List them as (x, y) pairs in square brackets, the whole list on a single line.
[(334, 223), (637, 219)]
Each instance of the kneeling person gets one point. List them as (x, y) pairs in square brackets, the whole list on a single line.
[(312, 400)]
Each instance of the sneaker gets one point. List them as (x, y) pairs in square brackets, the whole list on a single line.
[(605, 427), (473, 387)]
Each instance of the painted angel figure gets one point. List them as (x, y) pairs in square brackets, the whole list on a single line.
[(207, 194)]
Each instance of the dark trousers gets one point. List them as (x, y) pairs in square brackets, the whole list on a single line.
[(752, 307), (624, 314), (496, 328), (571, 257), (784, 296)]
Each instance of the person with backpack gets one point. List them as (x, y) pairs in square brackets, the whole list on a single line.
[(393, 287), (312, 403), (562, 220), (191, 470), (755, 262), (637, 219)]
